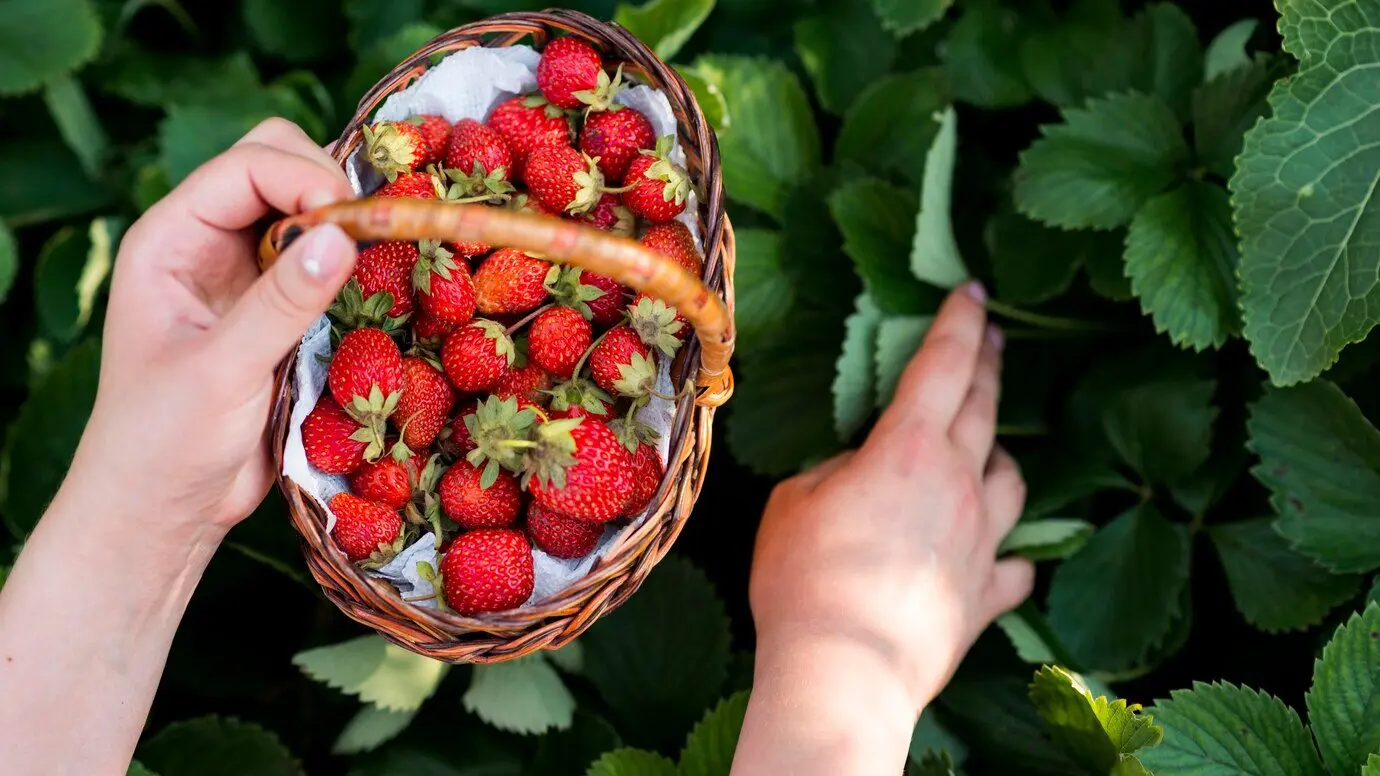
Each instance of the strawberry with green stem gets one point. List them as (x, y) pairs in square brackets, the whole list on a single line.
[(365, 378), (565, 180), (390, 480), (657, 324), (479, 163), (655, 187), (426, 401), (365, 530), (577, 466), (445, 290), (622, 364), (386, 267), (609, 214), (510, 282), (498, 433), (561, 536), (336, 443), (395, 147), (473, 499), (580, 398), (597, 297), (526, 122), (648, 468), (477, 355), (557, 340), (614, 137), (570, 74), (414, 185), (351, 311)]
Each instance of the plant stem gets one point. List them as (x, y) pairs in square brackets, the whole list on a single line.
[(1052, 322), (530, 316)]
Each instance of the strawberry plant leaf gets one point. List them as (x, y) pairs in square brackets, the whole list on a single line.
[(709, 748), (934, 257), (1372, 765), (1105, 265), (661, 658), (763, 288), (982, 56), (191, 134), (994, 715), (889, 127), (1222, 728), (1097, 732), (1227, 51), (41, 440), (1275, 588), (877, 221), (371, 728), (372, 21), (931, 737), (897, 340), (1174, 52), (155, 79), (771, 144), (1346, 680), (77, 123), (217, 746), (302, 31), (664, 25), (570, 752), (1047, 539), (844, 50), (855, 372), (43, 39), (632, 762), (1181, 258), (1060, 480), (9, 261), (1162, 425), (709, 97), (931, 764), (377, 671), (42, 180), (524, 695), (72, 269), (1319, 457), (1228, 105), (1030, 644), (1033, 263), (137, 768), (375, 61), (1099, 605), (903, 17), (1098, 167)]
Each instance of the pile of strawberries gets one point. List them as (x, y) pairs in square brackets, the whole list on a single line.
[(487, 395)]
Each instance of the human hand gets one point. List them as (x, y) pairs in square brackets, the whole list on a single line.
[(193, 333), (888, 553)]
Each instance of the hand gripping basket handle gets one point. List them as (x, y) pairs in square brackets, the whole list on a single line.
[(553, 239)]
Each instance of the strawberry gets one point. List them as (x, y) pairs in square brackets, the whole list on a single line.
[(473, 504), (570, 73), (395, 147), (426, 401), (557, 340), (335, 443), (647, 473), (467, 250), (610, 215), (475, 356), (658, 324), (529, 204), (597, 297), (492, 427), (561, 536), (608, 308), (413, 185), (459, 431), (622, 364), (528, 382), (387, 267), (365, 377), (509, 282), (364, 529), (479, 162), (656, 186), (579, 467), (579, 398), (430, 333), (388, 482), (614, 137), (528, 122), (673, 239), (436, 130), (564, 179), (445, 289), (351, 311), (487, 570)]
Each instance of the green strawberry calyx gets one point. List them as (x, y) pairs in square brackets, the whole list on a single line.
[(389, 150), (552, 452), (655, 323), (351, 310), (563, 283), (479, 185), (431, 258), (590, 187), (502, 433), (579, 392), (601, 97)]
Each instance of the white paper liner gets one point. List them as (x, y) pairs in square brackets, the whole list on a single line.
[(469, 84)]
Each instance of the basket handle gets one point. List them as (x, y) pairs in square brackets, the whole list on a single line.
[(554, 239)]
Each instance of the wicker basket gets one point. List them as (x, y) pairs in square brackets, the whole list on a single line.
[(706, 302)]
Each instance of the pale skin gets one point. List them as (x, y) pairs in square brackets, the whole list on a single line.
[(874, 571)]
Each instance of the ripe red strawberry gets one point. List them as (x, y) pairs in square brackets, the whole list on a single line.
[(614, 137), (622, 364), (596, 485), (509, 282), (557, 339), (388, 482), (445, 289), (437, 132), (365, 376), (361, 526), (335, 442), (610, 215), (673, 239), (479, 162), (395, 147), (528, 382), (568, 67), (425, 403), (430, 333), (413, 185), (459, 431), (561, 536), (658, 185), (564, 179), (528, 122), (472, 505), (467, 250), (487, 570), (599, 297), (658, 324), (475, 356), (647, 473), (387, 267)]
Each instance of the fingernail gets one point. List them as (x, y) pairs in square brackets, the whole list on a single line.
[(996, 336), (977, 292), (320, 198), (321, 255)]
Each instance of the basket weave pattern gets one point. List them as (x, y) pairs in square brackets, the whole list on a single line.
[(624, 565)]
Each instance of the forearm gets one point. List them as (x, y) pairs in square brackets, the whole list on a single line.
[(86, 619), (824, 707)]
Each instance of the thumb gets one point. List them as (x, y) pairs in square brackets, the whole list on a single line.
[(271, 317)]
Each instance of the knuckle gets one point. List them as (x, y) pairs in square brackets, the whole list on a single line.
[(272, 127)]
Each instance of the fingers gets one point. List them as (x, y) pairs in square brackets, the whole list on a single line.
[(935, 383), (284, 135), (1003, 493), (1010, 584), (810, 478), (974, 430), (274, 313)]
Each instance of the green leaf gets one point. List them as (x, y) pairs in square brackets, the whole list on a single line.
[(934, 257), (77, 123), (1107, 159), (1055, 482), (1055, 54), (372, 21), (1310, 29), (137, 769), (193, 134), (570, 752), (1175, 53), (897, 340), (994, 715), (1162, 425), (155, 79), (930, 737), (1228, 105), (1341, 703), (844, 50), (1275, 588), (44, 39), (932, 764), (377, 60), (1030, 644), (664, 25), (1096, 732), (632, 762), (1031, 262), (877, 223), (371, 728), (217, 746), (1048, 539), (1223, 729), (300, 31), (1227, 51), (42, 180), (9, 261), (709, 749), (771, 143), (406, 761), (856, 370), (1320, 458), (1100, 604), (1181, 259), (709, 97), (41, 440), (525, 695), (72, 270), (377, 671), (890, 126), (903, 17), (1372, 766), (1106, 267), (982, 56), (763, 288), (661, 658)]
